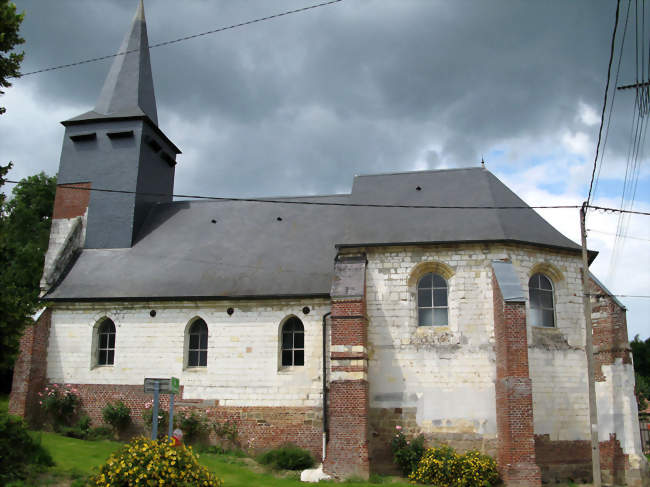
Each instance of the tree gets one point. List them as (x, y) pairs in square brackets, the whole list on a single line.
[(641, 356), (9, 38), (24, 235)]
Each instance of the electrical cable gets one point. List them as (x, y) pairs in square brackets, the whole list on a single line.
[(602, 115), (611, 105), (622, 236), (331, 203), (181, 39)]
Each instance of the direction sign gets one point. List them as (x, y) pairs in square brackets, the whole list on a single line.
[(164, 385)]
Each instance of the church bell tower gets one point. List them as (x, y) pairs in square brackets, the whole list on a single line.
[(117, 151)]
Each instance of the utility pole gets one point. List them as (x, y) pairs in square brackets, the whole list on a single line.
[(589, 350)]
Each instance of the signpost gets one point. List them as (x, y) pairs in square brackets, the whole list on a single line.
[(156, 386)]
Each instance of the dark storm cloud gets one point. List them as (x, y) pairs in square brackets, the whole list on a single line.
[(308, 100)]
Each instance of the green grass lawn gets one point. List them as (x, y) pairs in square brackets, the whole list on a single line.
[(82, 458), (4, 403)]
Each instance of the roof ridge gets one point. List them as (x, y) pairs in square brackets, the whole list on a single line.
[(226, 199), (426, 171)]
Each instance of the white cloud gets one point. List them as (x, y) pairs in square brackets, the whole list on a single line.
[(587, 114)]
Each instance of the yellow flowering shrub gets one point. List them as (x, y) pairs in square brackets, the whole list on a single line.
[(148, 463), (444, 467)]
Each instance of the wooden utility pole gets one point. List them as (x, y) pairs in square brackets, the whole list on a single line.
[(589, 350)]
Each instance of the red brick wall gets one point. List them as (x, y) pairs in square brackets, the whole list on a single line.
[(349, 326), (609, 331), (30, 369), (259, 428), (347, 449), (69, 202), (561, 461), (514, 398)]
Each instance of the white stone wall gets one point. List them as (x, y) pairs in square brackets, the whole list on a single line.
[(617, 410), (66, 236), (448, 373), (243, 356)]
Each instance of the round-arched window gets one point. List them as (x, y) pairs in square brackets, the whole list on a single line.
[(542, 309), (432, 300), (197, 351)]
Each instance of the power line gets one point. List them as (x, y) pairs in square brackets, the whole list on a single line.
[(616, 235), (316, 203), (602, 115), (611, 105), (618, 210), (332, 203), (185, 38)]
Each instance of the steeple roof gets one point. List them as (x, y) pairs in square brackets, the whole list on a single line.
[(128, 90)]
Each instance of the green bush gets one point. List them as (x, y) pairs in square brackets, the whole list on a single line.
[(444, 467), (60, 404), (79, 430), (287, 457), (100, 433), (146, 462), (18, 449), (194, 424), (227, 435), (406, 453), (118, 415)]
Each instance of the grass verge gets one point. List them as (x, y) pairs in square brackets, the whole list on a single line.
[(77, 459)]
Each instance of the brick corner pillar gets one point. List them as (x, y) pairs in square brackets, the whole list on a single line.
[(514, 394), (347, 448), (30, 369)]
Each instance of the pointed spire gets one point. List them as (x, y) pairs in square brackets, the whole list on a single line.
[(128, 89)]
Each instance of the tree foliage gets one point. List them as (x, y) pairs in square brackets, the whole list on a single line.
[(9, 38), (24, 235), (641, 356)]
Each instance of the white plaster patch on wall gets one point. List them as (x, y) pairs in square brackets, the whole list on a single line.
[(560, 393), (463, 409), (617, 409), (243, 349)]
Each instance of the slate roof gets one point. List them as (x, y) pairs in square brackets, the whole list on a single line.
[(248, 252), (128, 89)]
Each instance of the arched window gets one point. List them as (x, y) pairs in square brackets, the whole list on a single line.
[(432, 300), (197, 351), (542, 312), (106, 343), (293, 342)]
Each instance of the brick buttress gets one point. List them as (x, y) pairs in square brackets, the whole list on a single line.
[(514, 397), (347, 448)]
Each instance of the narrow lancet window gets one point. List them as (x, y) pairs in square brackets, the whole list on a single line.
[(106, 343), (197, 352), (293, 342)]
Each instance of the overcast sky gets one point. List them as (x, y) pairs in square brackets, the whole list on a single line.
[(300, 104)]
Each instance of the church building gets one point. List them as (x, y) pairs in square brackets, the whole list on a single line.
[(324, 321)]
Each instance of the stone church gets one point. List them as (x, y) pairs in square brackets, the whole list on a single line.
[(328, 320)]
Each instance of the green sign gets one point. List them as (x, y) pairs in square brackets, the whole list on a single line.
[(175, 385)]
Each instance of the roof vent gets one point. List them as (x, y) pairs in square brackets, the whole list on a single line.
[(418, 188), (83, 137), (120, 135)]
